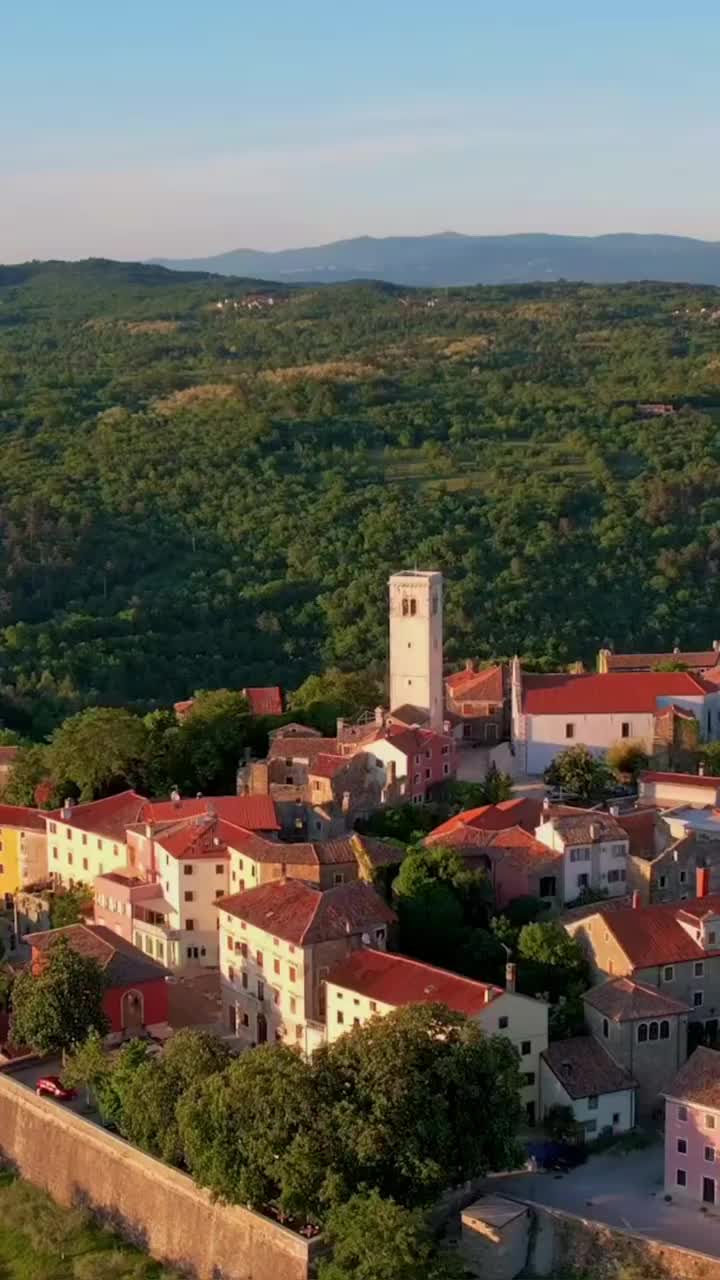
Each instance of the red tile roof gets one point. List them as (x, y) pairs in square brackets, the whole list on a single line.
[(520, 812), (181, 708), (194, 839), (584, 1069), (123, 964), (623, 1000), (615, 693), (477, 686), (109, 817), (654, 936), (326, 765), (252, 813), (639, 826), (683, 779), (411, 741), (266, 701), (396, 980), (698, 1082), (301, 913), (18, 815)]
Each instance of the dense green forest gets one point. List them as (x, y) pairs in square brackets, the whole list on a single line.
[(197, 495)]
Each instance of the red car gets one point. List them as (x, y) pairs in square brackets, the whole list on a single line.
[(53, 1087)]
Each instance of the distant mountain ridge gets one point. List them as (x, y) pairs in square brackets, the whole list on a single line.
[(453, 259)]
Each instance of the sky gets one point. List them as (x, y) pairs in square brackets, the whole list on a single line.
[(179, 128)]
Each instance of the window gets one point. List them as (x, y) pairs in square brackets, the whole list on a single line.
[(260, 990), (379, 935), (583, 880), (427, 773), (70, 859), (503, 1023), (231, 973), (699, 969), (682, 1146), (590, 1126), (446, 768), (340, 1017), (664, 1030), (219, 868), (189, 896), (293, 1004), (413, 608), (187, 869), (338, 877), (244, 981), (662, 881), (711, 938), (683, 877), (85, 864), (569, 730), (293, 973), (592, 1102), (681, 1178), (243, 949), (525, 1048), (581, 854), (625, 729), (245, 1020), (55, 852), (219, 893), (373, 1006), (654, 1031), (606, 1028), (528, 1078), (616, 1117), (697, 999), (668, 973), (710, 1155), (682, 1113), (190, 925), (259, 959), (276, 966), (84, 839), (709, 1122)]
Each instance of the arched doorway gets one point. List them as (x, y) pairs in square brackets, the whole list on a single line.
[(261, 1028), (132, 1012)]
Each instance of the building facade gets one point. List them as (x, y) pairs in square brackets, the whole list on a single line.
[(692, 1131), (580, 1074), (23, 849)]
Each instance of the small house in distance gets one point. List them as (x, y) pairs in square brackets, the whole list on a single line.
[(692, 1130)]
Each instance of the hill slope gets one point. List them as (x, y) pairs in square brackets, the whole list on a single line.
[(450, 259), (200, 492)]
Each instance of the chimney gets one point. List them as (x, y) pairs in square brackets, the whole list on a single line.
[(346, 802), (391, 773), (594, 831), (716, 645), (488, 994), (546, 804), (614, 810), (175, 797), (339, 727), (702, 882), (66, 811), (510, 976), (635, 899), (676, 648), (701, 769), (469, 664), (379, 717), (447, 728)]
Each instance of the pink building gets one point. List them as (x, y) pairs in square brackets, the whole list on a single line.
[(692, 1130)]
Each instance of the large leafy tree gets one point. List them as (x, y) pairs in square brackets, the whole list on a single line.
[(206, 751), (443, 908), (578, 771), (322, 698), (58, 1008), (551, 961), (97, 751), (415, 1102), (373, 1238)]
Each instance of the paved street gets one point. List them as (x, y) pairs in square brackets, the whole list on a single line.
[(624, 1190)]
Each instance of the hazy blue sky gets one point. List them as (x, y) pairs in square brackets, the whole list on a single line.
[(181, 127)]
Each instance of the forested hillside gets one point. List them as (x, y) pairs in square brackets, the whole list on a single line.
[(195, 496)]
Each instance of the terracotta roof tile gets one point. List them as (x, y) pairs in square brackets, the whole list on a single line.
[(586, 826), (653, 935), (326, 766), (521, 811), (296, 748), (477, 686), (646, 661), (623, 1000), (614, 693), (109, 817), (301, 913), (584, 1069), (253, 813), (396, 980), (682, 779), (18, 815), (265, 701), (640, 826), (122, 963), (698, 1081)]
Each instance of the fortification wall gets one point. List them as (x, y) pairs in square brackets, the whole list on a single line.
[(156, 1207)]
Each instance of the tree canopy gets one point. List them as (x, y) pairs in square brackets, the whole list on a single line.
[(58, 1008)]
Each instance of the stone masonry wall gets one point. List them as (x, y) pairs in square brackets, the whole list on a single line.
[(156, 1207)]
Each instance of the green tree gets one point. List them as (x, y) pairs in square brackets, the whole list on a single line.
[(30, 769), (415, 1102), (57, 1009), (97, 751), (374, 1238), (628, 757), (711, 758), (438, 901), (243, 1131), (70, 906), (89, 1067), (496, 786), (152, 1093), (322, 698), (578, 771), (550, 960), (210, 742)]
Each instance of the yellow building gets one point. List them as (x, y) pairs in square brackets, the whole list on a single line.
[(23, 848)]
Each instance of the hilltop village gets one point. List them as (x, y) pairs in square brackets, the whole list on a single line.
[(571, 915)]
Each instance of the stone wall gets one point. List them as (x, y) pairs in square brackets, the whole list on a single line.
[(560, 1241), (155, 1207)]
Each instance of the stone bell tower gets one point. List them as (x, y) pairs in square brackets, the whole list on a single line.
[(416, 642)]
